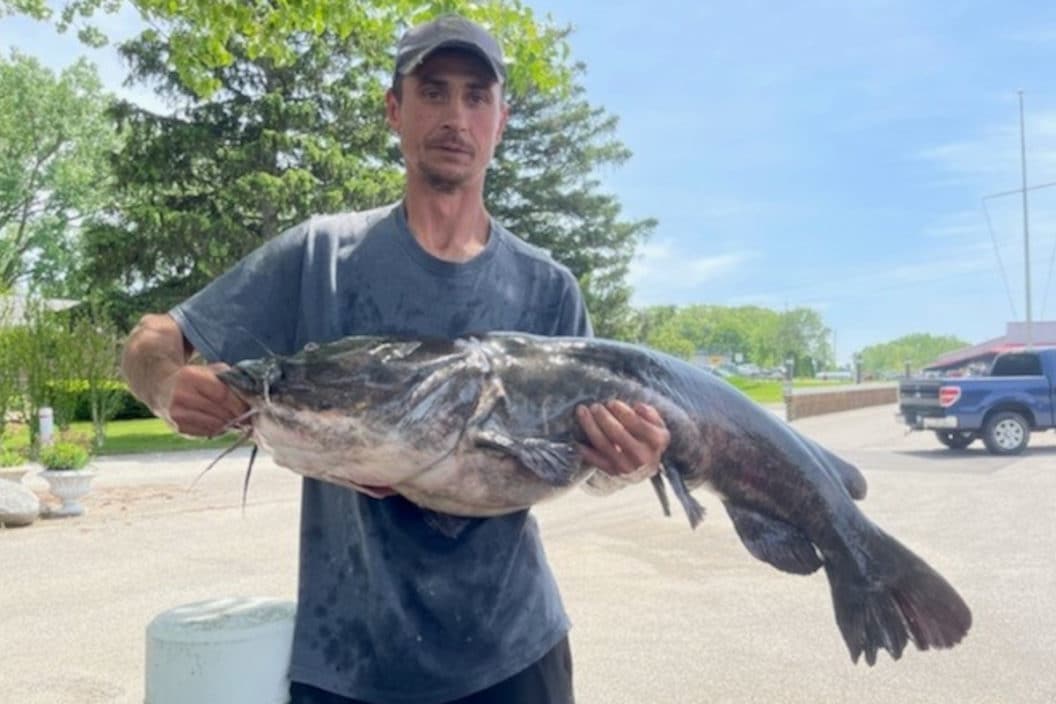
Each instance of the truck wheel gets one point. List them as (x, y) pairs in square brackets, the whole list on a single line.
[(955, 439), (1006, 433)]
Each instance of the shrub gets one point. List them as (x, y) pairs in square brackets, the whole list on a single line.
[(11, 458), (63, 454), (127, 405)]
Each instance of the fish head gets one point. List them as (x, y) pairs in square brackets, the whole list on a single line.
[(355, 373), (361, 398)]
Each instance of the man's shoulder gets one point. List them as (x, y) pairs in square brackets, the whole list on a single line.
[(532, 255), (350, 223)]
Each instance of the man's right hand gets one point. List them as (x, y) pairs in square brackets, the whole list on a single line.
[(195, 402), (190, 398)]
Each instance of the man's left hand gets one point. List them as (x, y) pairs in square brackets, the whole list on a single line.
[(625, 442)]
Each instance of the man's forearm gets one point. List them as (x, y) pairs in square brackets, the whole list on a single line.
[(155, 350)]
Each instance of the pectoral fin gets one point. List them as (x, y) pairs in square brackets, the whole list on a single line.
[(693, 509), (782, 545), (661, 492), (556, 463)]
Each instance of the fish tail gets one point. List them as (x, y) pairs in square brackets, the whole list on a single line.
[(895, 598)]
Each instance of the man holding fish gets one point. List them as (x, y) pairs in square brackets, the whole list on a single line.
[(398, 604)]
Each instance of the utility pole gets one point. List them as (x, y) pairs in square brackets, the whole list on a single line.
[(1026, 225)]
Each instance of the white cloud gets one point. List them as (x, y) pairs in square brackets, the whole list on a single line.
[(662, 266), (712, 267), (992, 159)]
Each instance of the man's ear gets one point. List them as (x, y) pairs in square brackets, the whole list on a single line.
[(505, 117), (392, 110)]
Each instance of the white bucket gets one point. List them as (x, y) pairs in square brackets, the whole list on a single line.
[(231, 650)]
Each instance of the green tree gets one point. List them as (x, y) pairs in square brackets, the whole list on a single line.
[(762, 336), (201, 188), (544, 186), (918, 349), (96, 360), (54, 140), (39, 349), (205, 35)]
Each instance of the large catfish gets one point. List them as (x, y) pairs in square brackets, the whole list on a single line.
[(485, 425)]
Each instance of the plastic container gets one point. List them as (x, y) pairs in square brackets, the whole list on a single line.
[(229, 650), (47, 425)]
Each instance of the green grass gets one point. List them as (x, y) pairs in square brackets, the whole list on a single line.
[(772, 391), (760, 390), (126, 437)]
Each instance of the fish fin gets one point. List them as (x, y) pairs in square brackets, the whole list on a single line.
[(773, 541), (553, 462), (846, 473), (444, 523), (657, 481), (692, 507), (894, 599)]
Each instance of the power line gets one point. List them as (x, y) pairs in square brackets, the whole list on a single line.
[(1000, 264)]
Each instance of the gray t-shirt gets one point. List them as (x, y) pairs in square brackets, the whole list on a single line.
[(390, 609)]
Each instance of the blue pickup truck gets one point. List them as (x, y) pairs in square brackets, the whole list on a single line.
[(1017, 396)]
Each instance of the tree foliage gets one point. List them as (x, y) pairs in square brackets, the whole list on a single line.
[(760, 335), (544, 187), (54, 140), (206, 35), (199, 189), (918, 349), (278, 142)]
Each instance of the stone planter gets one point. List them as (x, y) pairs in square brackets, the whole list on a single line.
[(69, 486), (15, 474)]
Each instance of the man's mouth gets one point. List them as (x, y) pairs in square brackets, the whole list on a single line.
[(453, 148)]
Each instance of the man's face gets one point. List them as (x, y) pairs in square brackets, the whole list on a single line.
[(450, 117)]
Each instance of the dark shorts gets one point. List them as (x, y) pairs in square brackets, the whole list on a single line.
[(547, 681)]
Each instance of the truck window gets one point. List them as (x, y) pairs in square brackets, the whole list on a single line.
[(1017, 365)]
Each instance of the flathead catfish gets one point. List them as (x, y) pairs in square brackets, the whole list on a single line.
[(484, 425)]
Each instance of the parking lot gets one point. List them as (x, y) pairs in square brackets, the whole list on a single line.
[(661, 613)]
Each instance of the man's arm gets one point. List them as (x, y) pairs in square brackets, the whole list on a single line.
[(188, 397)]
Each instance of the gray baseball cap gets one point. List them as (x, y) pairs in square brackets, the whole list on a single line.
[(448, 32)]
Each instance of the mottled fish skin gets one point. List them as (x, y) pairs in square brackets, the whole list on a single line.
[(485, 425)]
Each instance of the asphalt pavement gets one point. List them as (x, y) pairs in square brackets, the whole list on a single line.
[(661, 613)]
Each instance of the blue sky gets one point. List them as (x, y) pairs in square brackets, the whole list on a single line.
[(823, 154)]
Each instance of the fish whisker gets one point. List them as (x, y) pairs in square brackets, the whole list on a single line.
[(245, 482), (246, 435), (238, 421)]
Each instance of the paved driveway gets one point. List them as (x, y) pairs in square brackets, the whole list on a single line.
[(661, 614)]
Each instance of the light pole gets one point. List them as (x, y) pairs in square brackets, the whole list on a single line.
[(1026, 225)]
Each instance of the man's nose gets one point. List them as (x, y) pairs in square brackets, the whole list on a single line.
[(456, 114)]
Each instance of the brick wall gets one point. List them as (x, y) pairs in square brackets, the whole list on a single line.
[(812, 402)]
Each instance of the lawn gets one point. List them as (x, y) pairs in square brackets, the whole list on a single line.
[(125, 437), (771, 391)]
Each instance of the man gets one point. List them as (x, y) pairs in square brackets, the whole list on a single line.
[(391, 610)]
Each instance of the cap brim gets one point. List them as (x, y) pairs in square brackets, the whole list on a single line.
[(417, 59)]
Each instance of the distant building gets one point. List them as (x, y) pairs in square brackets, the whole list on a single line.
[(13, 308), (979, 357)]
